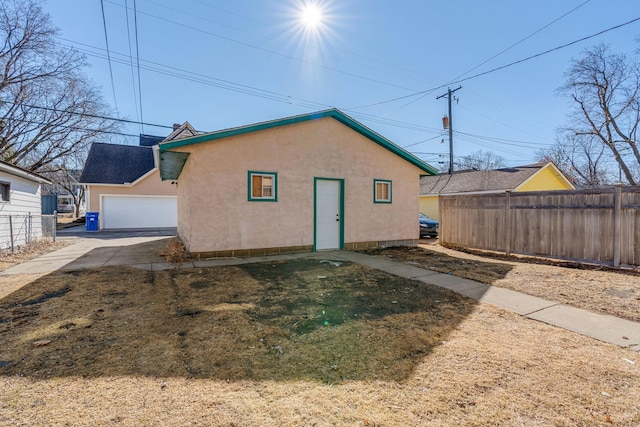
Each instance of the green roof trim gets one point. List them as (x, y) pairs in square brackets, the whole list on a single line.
[(333, 113)]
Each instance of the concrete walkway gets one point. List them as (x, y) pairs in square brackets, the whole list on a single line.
[(142, 251)]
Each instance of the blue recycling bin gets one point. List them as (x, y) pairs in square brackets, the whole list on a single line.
[(92, 223)]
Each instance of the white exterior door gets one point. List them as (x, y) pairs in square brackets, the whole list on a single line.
[(139, 211), (328, 206)]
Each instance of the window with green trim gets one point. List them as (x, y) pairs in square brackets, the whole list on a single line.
[(263, 186), (381, 191)]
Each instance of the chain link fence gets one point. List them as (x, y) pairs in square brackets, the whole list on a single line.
[(17, 231)]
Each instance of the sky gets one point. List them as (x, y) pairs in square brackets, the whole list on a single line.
[(225, 63)]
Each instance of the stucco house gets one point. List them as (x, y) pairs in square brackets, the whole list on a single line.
[(534, 177), (20, 199), (123, 184), (315, 181)]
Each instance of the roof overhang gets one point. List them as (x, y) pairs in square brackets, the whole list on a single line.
[(23, 173), (468, 193), (120, 184), (172, 164)]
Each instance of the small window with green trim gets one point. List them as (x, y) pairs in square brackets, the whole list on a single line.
[(263, 186), (381, 191)]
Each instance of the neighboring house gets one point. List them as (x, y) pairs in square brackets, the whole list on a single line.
[(316, 181), (535, 177), (64, 199), (124, 186), (20, 192)]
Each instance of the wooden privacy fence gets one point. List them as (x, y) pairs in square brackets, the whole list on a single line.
[(596, 225)]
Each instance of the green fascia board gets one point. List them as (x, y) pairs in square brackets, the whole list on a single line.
[(333, 113)]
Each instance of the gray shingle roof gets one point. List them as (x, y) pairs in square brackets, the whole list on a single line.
[(478, 181), (116, 164), (149, 140)]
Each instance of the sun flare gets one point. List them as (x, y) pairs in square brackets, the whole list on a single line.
[(311, 16)]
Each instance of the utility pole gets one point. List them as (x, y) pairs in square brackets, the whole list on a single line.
[(448, 94)]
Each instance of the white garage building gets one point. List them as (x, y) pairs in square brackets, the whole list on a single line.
[(135, 211), (124, 186)]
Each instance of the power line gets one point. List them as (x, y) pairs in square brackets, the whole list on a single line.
[(498, 54), (505, 141), (250, 90), (420, 142), (365, 116), (521, 41), (106, 41), (135, 23), (549, 51), (205, 79), (501, 67), (133, 79), (94, 116), (272, 52), (82, 128), (351, 54)]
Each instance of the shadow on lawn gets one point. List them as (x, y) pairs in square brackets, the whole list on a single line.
[(304, 319)]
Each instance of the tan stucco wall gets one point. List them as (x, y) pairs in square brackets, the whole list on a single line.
[(151, 185), (214, 213)]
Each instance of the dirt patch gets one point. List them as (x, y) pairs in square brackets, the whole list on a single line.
[(483, 270), (602, 290), (293, 343), (269, 321)]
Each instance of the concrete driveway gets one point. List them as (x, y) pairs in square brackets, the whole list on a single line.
[(98, 249)]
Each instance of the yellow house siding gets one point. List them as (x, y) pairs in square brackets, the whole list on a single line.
[(214, 213), (546, 179), (430, 207)]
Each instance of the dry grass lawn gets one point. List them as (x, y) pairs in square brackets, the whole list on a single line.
[(293, 343), (596, 289)]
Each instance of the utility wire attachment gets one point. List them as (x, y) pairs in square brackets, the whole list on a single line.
[(450, 123)]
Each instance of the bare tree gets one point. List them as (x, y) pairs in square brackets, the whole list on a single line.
[(481, 160), (48, 108), (604, 88), (65, 178), (583, 160)]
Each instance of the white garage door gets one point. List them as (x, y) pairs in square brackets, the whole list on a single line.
[(139, 212)]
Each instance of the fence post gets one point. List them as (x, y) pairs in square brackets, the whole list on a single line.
[(55, 225), (29, 229), (507, 246), (11, 234), (617, 225)]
